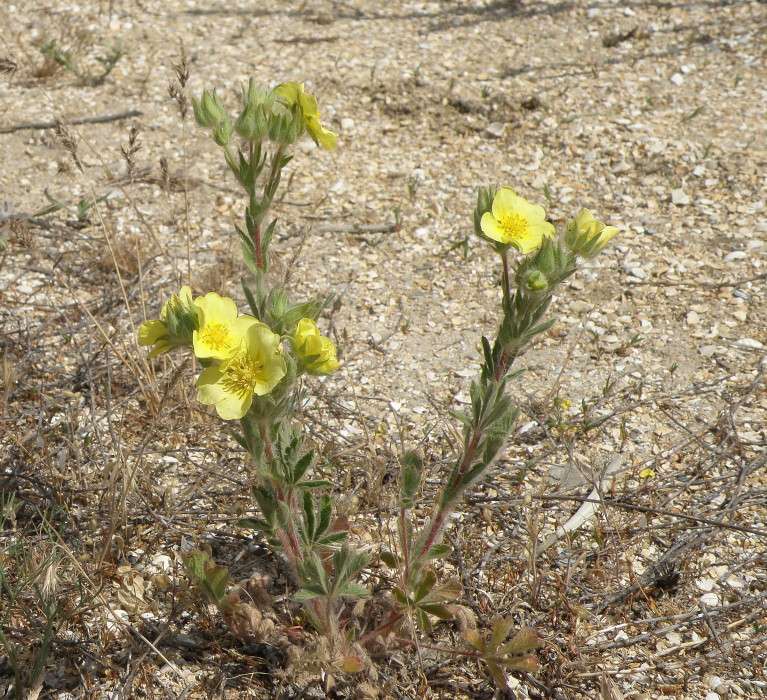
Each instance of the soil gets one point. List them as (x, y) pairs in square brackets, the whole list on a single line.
[(651, 114)]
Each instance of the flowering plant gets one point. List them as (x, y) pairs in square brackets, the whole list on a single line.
[(251, 367)]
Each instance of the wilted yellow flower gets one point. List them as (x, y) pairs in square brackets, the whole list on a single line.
[(293, 94), (220, 331), (176, 315), (515, 222), (257, 369), (587, 236), (154, 333), (316, 351), (647, 473)]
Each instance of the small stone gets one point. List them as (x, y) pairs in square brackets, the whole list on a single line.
[(677, 79), (749, 343), (637, 272), (621, 167), (740, 294), (707, 350), (496, 129), (679, 196), (579, 306), (692, 318), (741, 316), (698, 170), (735, 255), (347, 123)]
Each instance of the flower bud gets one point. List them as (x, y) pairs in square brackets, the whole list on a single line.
[(587, 236), (251, 124), (286, 127), (209, 111), (223, 133), (316, 353), (534, 281)]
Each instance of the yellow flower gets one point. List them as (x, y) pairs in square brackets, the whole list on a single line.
[(220, 331), (587, 236), (515, 222), (257, 369), (317, 352), (293, 94), (178, 322), (647, 473)]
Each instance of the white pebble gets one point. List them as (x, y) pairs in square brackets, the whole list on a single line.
[(677, 79), (679, 196), (735, 255)]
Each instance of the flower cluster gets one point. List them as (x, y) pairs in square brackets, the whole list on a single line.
[(282, 115), (242, 357)]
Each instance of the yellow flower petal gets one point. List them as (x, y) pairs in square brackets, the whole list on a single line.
[(151, 331)]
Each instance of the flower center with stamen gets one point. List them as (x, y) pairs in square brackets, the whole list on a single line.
[(217, 336), (242, 375), (514, 227)]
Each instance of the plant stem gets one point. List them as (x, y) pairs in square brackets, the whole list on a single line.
[(506, 282), (394, 618)]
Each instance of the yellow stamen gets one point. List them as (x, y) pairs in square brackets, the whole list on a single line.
[(514, 226), (242, 375), (217, 336)]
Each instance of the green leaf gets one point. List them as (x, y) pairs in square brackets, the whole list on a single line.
[(333, 538), (412, 466), (326, 511), (307, 593), (240, 439), (254, 524), (302, 465), (443, 593), (390, 559), (215, 582), (425, 585), (195, 563), (400, 597), (423, 621), (250, 299), (437, 609), (307, 505), (355, 590), (501, 628), (266, 237), (315, 484), (439, 551)]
